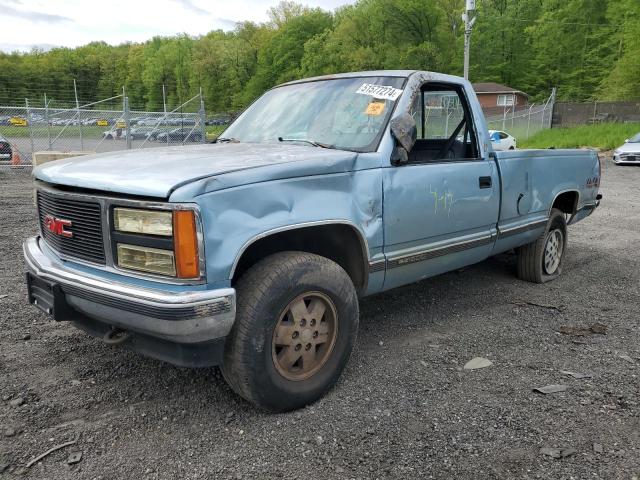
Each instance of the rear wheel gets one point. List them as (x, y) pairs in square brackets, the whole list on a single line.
[(541, 261), (296, 324)]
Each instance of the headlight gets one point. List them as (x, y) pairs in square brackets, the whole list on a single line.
[(148, 222), (176, 256), (147, 259)]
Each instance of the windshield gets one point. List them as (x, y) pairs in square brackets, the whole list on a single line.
[(345, 113), (635, 139)]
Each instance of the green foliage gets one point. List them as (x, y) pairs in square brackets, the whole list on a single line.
[(623, 81), (606, 136), (588, 49)]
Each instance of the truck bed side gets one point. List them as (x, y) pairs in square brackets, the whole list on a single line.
[(533, 181)]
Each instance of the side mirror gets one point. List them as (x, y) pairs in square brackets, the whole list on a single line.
[(626, 140), (404, 130)]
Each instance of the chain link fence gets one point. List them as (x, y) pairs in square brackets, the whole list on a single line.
[(110, 125), (102, 126), (569, 114), (524, 122)]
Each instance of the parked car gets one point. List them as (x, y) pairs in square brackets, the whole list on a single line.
[(251, 253), (5, 150), (187, 134), (17, 121), (629, 153), (137, 120), (502, 140), (141, 133), (115, 133), (222, 120), (163, 129)]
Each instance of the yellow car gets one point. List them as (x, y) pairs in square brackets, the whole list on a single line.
[(18, 122)]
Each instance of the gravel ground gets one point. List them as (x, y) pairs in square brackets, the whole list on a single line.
[(404, 408)]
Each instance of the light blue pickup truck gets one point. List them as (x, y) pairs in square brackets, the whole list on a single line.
[(251, 253)]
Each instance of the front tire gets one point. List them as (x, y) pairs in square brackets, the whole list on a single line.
[(297, 321), (541, 260)]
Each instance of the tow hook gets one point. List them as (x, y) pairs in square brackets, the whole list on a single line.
[(116, 336)]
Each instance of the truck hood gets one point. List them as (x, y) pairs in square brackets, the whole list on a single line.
[(156, 172)]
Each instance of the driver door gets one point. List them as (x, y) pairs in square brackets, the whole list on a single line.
[(441, 207)]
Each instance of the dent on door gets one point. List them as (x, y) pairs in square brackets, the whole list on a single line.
[(518, 223), (523, 204)]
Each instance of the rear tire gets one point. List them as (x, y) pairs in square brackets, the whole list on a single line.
[(541, 260), (290, 302)]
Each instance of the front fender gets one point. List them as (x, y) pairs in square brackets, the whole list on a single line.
[(233, 218)]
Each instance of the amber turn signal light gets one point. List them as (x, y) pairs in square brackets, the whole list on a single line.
[(186, 244)]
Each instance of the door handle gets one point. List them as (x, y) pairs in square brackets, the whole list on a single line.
[(484, 182)]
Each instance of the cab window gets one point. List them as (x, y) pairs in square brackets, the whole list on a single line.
[(445, 130)]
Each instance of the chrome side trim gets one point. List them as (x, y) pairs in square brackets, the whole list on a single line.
[(106, 202), (508, 231), (363, 241), (377, 266), (435, 252)]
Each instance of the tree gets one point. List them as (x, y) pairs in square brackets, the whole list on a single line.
[(623, 81), (586, 48)]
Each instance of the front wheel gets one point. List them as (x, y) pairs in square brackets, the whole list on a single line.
[(541, 260), (296, 324)]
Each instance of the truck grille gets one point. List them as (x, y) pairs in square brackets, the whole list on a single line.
[(86, 242)]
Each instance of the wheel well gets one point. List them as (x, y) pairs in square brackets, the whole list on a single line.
[(338, 242), (566, 202)]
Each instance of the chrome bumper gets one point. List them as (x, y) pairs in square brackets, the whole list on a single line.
[(182, 317)]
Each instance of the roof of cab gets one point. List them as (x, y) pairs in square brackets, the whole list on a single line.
[(432, 76), (372, 73)]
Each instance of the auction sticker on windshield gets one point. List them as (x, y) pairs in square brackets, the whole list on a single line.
[(379, 91), (375, 108)]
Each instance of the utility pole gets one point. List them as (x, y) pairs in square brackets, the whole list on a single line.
[(75, 91), (469, 19)]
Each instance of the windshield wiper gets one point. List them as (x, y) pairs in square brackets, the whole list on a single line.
[(227, 140), (310, 142)]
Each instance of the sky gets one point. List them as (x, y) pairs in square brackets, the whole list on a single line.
[(69, 23)]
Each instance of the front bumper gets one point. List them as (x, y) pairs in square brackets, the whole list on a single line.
[(189, 318), (625, 160)]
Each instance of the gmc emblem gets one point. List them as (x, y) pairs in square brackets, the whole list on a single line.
[(57, 226)]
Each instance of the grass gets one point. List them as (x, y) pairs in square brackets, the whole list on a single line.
[(605, 136), (39, 131), (213, 131)]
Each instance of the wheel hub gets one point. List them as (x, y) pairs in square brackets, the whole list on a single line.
[(304, 336), (553, 251)]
